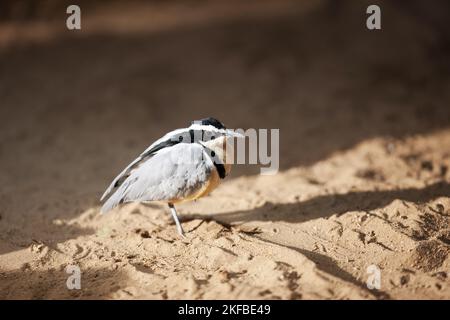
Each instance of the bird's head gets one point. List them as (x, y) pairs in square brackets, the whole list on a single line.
[(214, 128), (209, 122)]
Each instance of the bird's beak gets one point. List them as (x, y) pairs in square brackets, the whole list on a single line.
[(234, 134)]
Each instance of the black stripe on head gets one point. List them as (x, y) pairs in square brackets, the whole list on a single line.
[(210, 122)]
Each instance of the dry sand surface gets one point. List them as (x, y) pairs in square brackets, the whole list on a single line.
[(364, 124)]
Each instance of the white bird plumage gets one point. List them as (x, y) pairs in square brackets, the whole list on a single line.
[(172, 173), (182, 165)]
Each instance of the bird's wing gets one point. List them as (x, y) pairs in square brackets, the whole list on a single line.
[(188, 135), (167, 140), (172, 173)]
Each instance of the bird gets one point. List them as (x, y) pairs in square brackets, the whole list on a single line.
[(183, 165)]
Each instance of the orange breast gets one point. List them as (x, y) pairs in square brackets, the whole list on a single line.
[(209, 186)]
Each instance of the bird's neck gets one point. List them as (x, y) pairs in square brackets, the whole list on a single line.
[(219, 147)]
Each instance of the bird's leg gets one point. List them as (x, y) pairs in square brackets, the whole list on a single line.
[(175, 217)]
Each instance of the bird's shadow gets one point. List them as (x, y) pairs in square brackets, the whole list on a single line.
[(324, 206), (328, 265)]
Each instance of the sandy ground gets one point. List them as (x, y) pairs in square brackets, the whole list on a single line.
[(364, 124)]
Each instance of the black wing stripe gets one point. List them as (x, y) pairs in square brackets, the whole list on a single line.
[(188, 136)]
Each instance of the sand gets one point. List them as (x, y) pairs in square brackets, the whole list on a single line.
[(364, 123)]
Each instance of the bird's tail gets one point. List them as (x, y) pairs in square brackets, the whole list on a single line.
[(111, 203), (118, 197)]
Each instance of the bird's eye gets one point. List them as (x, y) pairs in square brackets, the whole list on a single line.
[(213, 137), (213, 154), (180, 138)]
